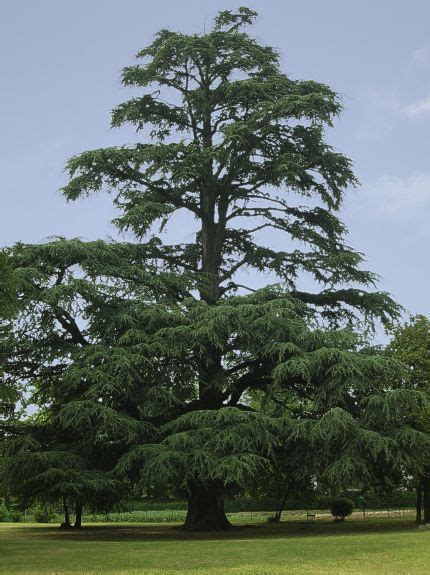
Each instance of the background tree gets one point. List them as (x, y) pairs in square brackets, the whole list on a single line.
[(44, 460), (346, 431), (156, 344), (43, 463), (411, 346)]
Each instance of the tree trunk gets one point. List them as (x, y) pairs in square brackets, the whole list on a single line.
[(419, 503), (206, 509), (78, 516), (280, 506), (206, 502), (426, 499), (66, 524)]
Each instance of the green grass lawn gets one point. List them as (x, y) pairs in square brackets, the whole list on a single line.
[(374, 546)]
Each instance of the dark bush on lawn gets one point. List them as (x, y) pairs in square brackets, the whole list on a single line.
[(341, 508)]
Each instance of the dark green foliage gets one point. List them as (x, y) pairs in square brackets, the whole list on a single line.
[(8, 287), (411, 345), (341, 508), (151, 359), (43, 465), (43, 514), (4, 514), (9, 394), (236, 126)]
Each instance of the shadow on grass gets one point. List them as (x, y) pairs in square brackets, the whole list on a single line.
[(136, 532)]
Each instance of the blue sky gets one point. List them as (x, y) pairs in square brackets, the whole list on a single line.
[(60, 65)]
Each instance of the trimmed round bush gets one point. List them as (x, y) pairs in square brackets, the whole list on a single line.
[(341, 508)]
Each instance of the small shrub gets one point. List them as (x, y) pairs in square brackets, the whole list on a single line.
[(138, 517), (43, 515), (341, 508)]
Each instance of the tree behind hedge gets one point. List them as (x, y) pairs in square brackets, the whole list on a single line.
[(410, 345), (45, 464)]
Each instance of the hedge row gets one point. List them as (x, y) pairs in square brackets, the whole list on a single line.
[(396, 499)]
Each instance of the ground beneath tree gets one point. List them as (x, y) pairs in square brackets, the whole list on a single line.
[(292, 547)]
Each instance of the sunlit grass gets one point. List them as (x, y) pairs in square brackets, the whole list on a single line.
[(385, 546)]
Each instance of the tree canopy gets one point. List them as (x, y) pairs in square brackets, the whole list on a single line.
[(153, 351), (8, 305)]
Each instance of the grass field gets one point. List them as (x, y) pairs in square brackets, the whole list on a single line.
[(374, 546)]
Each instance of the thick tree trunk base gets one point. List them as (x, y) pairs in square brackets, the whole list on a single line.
[(206, 511), (419, 504), (78, 517), (66, 523)]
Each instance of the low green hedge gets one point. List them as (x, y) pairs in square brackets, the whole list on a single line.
[(396, 499), (143, 511), (155, 516)]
